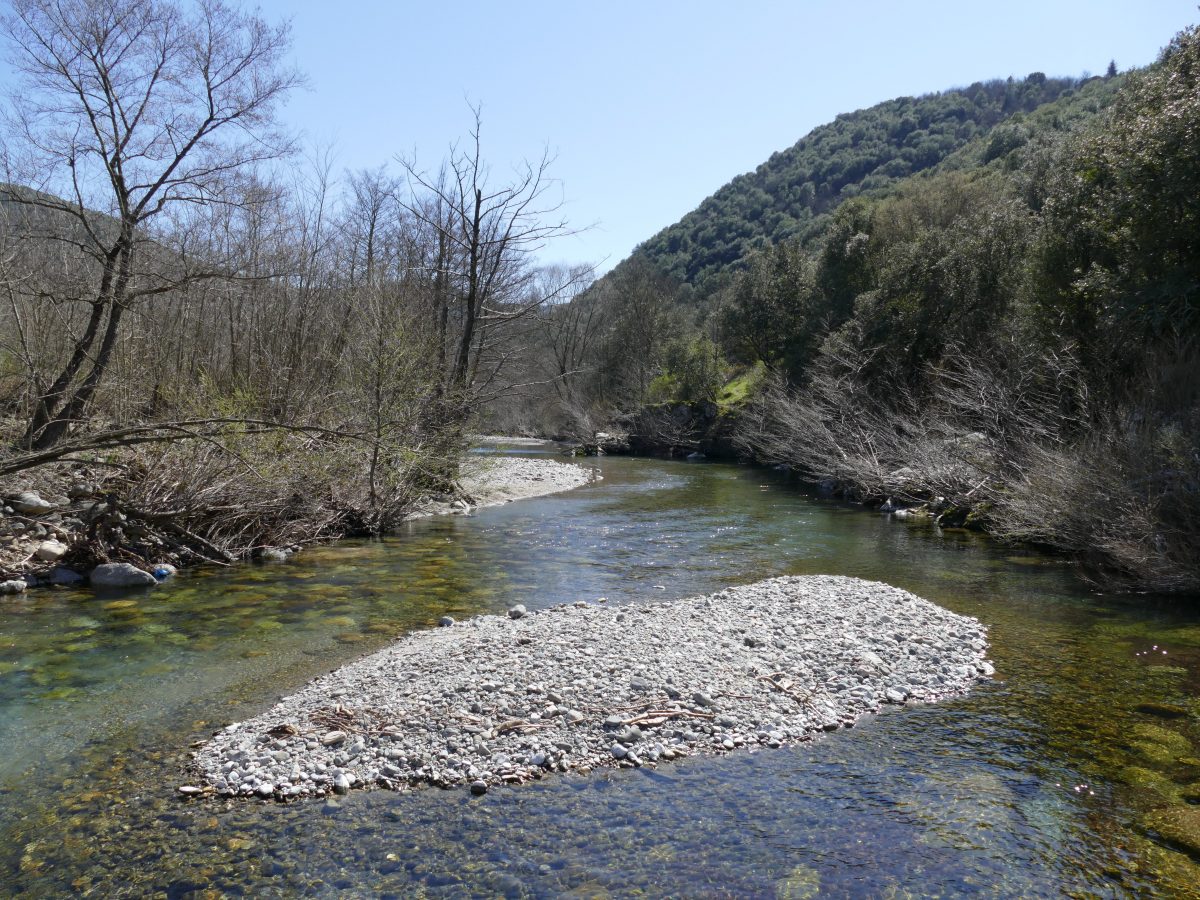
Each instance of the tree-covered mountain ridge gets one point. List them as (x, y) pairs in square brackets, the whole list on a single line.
[(867, 152)]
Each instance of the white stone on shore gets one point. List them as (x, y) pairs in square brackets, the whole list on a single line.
[(51, 550), (500, 701), (30, 504)]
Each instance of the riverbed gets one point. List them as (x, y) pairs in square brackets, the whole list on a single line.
[(1033, 785)]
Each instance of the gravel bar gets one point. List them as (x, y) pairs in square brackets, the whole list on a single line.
[(495, 480), (506, 699)]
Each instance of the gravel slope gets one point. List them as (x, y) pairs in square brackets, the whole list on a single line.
[(504, 699)]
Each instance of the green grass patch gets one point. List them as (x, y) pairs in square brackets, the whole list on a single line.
[(736, 392)]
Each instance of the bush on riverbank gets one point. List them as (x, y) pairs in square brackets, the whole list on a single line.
[(1018, 448)]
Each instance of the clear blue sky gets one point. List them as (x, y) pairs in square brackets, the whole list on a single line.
[(652, 106)]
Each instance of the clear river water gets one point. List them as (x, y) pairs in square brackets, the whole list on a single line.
[(1033, 785)]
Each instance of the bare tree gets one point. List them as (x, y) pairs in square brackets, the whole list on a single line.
[(571, 327), (129, 109), (487, 237)]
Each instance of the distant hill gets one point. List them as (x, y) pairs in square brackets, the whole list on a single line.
[(791, 195)]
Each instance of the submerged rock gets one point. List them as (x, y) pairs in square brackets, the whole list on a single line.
[(1171, 742), (1179, 827)]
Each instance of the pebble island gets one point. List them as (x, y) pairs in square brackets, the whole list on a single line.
[(507, 699)]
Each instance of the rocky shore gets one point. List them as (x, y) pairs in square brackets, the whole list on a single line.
[(506, 699), (57, 531)]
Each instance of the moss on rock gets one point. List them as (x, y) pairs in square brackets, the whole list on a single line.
[(1144, 779), (1178, 826), (1171, 741)]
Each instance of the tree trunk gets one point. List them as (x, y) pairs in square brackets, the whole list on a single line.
[(471, 302), (49, 402), (55, 423)]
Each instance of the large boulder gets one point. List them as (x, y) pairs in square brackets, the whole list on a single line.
[(82, 489), (64, 577), (119, 575), (15, 586)]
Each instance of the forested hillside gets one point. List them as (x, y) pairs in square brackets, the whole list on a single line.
[(866, 152)]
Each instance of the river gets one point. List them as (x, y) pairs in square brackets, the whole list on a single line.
[(1033, 785)]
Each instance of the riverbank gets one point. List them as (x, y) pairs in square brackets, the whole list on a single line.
[(66, 527), (506, 699)]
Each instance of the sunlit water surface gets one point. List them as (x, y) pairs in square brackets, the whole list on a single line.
[(1032, 786)]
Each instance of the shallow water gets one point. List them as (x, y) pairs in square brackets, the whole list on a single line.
[(1031, 786)]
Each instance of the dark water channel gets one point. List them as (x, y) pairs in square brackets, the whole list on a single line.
[(1032, 786)]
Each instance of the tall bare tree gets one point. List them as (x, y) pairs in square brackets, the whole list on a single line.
[(129, 109), (486, 238)]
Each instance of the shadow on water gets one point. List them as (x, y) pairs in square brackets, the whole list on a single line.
[(1032, 786)]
